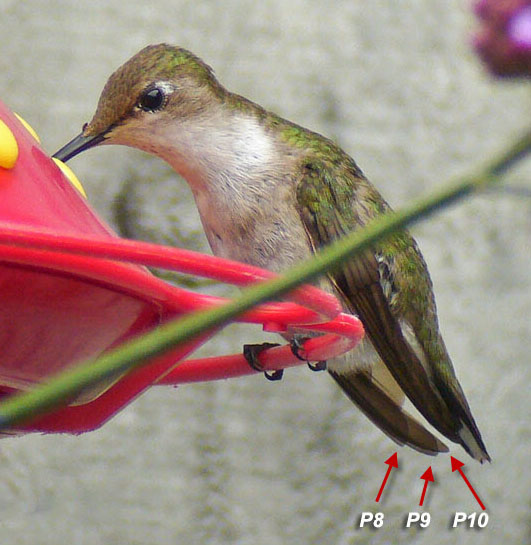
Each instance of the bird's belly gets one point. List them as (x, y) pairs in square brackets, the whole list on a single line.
[(273, 246), (276, 243)]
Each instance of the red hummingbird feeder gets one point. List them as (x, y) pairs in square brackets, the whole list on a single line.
[(71, 289)]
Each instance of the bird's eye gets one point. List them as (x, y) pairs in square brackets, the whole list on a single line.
[(152, 99)]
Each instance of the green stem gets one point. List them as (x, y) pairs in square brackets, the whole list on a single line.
[(136, 352)]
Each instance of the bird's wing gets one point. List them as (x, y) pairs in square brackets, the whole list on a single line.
[(381, 408), (326, 207)]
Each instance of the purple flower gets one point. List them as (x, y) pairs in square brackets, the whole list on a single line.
[(503, 40)]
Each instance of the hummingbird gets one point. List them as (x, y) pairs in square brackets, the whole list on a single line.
[(271, 193)]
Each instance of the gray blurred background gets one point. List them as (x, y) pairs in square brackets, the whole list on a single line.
[(247, 461)]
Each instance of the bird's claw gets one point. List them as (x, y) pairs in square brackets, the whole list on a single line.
[(277, 374), (296, 346), (317, 366), (251, 352)]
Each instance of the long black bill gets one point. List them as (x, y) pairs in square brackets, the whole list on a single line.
[(77, 145)]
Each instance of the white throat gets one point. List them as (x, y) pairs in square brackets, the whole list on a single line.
[(236, 173), (217, 152)]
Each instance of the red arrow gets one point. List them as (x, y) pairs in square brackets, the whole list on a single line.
[(457, 464), (427, 476), (393, 462)]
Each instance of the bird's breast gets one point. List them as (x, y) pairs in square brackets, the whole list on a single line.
[(264, 232)]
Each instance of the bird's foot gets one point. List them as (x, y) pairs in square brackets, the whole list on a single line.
[(251, 352), (317, 366), (296, 345)]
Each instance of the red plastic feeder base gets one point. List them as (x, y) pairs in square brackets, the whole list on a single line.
[(71, 289)]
